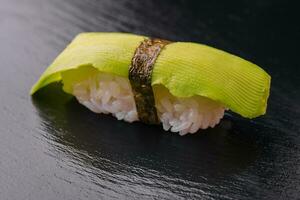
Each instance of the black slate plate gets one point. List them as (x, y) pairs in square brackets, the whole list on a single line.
[(53, 148)]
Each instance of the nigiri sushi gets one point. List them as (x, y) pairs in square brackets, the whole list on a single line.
[(184, 86)]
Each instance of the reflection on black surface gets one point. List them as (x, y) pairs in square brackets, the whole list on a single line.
[(203, 157)]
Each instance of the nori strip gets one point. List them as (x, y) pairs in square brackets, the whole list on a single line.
[(140, 74)]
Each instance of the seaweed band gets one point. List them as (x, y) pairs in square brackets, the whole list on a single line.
[(140, 74)]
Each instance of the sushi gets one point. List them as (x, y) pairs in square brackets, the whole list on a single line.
[(184, 86)]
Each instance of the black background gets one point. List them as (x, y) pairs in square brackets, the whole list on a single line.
[(53, 148)]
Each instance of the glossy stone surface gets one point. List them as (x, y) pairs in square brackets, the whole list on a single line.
[(53, 148)]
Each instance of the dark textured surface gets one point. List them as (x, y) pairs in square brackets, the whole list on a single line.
[(53, 148)]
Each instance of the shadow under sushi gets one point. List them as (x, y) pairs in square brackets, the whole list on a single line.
[(202, 157)]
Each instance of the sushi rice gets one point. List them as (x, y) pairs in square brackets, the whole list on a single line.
[(107, 93)]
